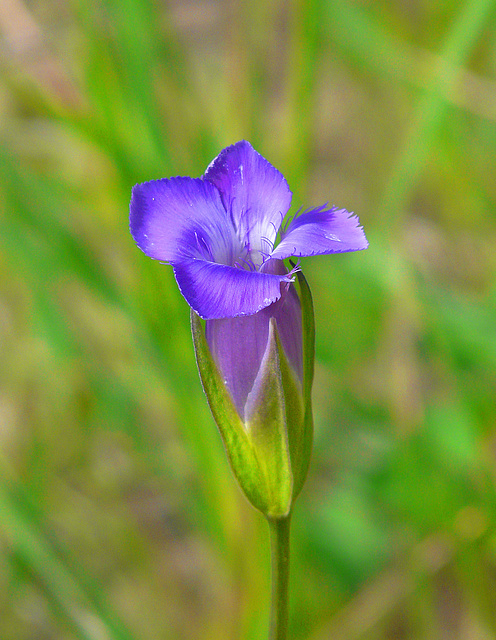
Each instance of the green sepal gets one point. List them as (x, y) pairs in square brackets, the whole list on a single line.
[(294, 409), (266, 425), (240, 447), (301, 448)]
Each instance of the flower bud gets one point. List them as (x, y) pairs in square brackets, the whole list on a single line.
[(257, 374)]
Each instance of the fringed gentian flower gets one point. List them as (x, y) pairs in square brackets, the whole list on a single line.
[(223, 234), (255, 353)]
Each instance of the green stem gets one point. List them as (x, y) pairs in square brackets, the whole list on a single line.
[(279, 545)]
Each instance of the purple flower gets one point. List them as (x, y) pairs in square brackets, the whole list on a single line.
[(219, 233)]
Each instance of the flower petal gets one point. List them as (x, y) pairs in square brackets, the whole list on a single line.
[(220, 291), (287, 312), (321, 231), (254, 192), (171, 219), (239, 344)]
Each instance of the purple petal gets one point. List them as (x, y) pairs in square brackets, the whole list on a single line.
[(238, 344), (287, 312), (321, 231), (172, 219), (255, 194), (220, 291)]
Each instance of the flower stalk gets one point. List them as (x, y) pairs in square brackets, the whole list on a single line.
[(279, 551)]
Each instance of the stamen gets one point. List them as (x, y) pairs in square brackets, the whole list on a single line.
[(269, 242), (203, 246), (253, 266), (249, 229), (295, 267), (231, 215), (284, 227), (249, 263)]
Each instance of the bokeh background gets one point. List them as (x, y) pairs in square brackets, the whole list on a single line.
[(119, 516)]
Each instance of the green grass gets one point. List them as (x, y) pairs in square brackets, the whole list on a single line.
[(119, 516)]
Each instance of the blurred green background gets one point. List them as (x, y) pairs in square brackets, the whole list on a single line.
[(119, 517)]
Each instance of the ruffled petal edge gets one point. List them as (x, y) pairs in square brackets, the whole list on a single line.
[(321, 231)]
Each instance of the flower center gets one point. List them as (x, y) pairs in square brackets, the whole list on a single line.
[(240, 245)]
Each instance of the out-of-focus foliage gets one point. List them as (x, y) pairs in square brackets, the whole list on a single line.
[(119, 517)]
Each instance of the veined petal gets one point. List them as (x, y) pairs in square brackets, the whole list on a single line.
[(238, 344), (255, 194), (287, 312), (220, 291), (321, 231), (177, 218)]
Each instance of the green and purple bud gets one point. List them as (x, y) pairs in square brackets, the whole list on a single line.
[(257, 374)]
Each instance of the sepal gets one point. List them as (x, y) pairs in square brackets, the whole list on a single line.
[(266, 425), (303, 438), (247, 452), (270, 450)]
